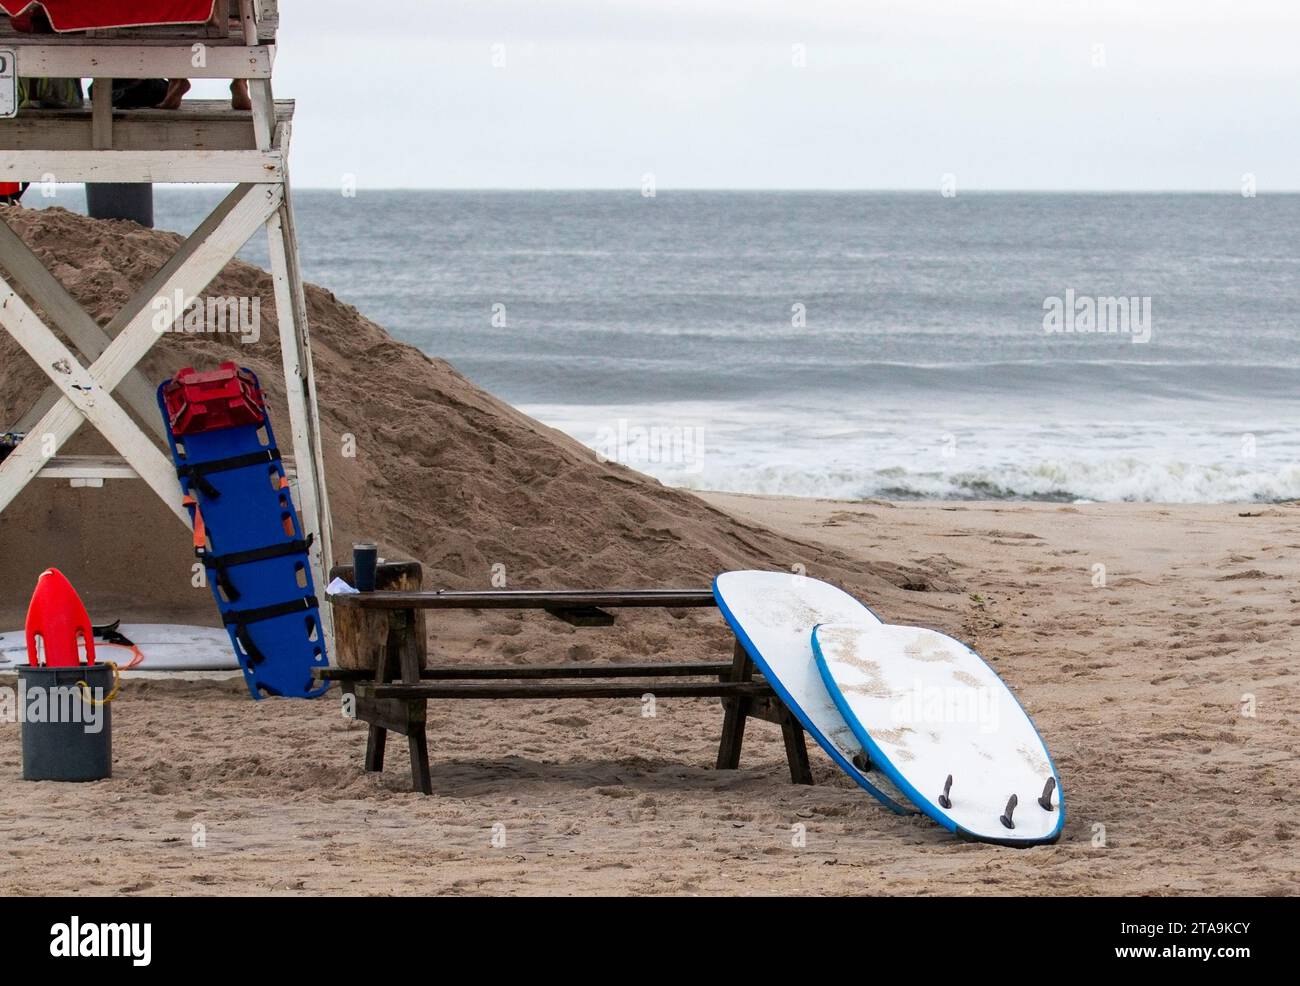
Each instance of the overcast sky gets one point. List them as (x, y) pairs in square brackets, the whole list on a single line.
[(1003, 94)]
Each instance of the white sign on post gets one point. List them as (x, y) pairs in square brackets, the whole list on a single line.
[(8, 83)]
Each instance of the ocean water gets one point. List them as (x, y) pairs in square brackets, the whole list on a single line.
[(853, 344)]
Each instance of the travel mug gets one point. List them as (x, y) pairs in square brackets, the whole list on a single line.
[(365, 559)]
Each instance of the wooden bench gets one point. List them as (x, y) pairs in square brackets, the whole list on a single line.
[(394, 695)]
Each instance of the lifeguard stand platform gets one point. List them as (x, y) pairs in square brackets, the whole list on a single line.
[(202, 142)]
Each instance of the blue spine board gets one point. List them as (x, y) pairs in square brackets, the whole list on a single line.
[(255, 510)]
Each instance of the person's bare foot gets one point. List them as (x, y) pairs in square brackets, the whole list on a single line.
[(176, 90), (239, 95)]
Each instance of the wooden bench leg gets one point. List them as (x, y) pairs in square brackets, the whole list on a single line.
[(376, 739), (736, 712), (419, 745), (409, 653), (377, 736), (796, 749)]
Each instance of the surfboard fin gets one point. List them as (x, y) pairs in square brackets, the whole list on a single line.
[(1045, 799), (862, 761), (944, 800), (1006, 815)]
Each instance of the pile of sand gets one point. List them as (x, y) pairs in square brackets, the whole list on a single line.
[(443, 472)]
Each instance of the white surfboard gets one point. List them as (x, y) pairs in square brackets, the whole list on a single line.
[(156, 647), (926, 708), (772, 614)]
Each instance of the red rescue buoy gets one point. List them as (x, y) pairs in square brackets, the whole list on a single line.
[(57, 616)]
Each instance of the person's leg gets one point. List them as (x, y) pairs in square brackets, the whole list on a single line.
[(239, 95), (176, 90)]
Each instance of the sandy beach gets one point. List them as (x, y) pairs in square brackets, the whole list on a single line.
[(1153, 645), (1138, 687)]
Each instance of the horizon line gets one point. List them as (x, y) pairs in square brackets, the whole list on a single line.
[(735, 188)]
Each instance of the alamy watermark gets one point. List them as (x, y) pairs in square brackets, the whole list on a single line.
[(75, 939), (240, 316), (1105, 315), (662, 445), (933, 704), (60, 703)]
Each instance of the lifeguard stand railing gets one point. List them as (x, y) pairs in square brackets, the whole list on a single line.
[(202, 142)]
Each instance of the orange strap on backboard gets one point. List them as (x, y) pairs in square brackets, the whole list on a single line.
[(200, 532)]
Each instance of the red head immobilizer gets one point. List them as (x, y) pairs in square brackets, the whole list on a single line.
[(223, 398)]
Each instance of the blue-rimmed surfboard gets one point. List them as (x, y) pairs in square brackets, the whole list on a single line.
[(142, 647), (944, 728), (773, 614)]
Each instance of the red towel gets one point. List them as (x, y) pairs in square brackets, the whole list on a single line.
[(85, 15)]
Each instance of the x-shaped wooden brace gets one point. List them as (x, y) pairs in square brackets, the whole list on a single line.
[(86, 393)]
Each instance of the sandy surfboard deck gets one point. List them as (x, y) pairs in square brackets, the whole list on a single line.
[(926, 707), (158, 647), (773, 614)]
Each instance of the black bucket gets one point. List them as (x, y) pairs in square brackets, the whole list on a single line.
[(120, 200), (67, 729)]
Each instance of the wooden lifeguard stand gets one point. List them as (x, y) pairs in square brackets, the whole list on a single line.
[(201, 142)]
